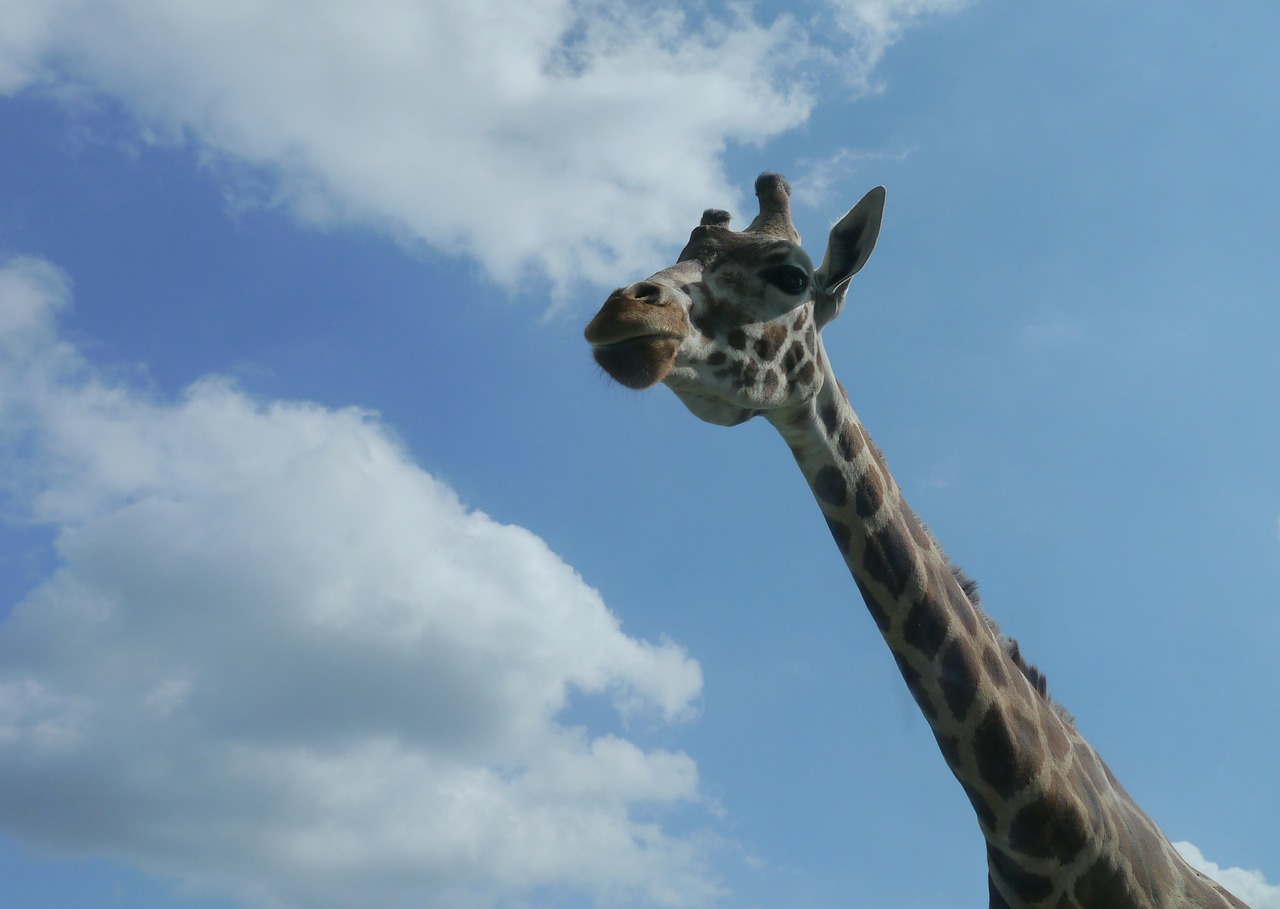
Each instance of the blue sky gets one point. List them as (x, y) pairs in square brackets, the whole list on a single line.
[(333, 572)]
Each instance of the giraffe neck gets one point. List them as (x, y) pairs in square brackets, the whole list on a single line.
[(972, 694), (1060, 830)]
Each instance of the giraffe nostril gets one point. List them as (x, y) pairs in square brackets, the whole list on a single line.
[(648, 292)]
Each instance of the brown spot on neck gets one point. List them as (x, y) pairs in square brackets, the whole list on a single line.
[(830, 487)]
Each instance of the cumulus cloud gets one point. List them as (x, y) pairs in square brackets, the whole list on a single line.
[(1249, 885), (528, 133), (564, 139), (280, 660)]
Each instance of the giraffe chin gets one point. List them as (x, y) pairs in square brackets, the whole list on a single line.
[(638, 362)]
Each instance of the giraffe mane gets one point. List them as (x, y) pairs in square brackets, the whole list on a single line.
[(1039, 681)]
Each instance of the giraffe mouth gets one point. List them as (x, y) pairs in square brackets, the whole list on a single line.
[(635, 342), (638, 362)]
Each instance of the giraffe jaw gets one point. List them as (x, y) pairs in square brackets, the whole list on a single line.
[(708, 407)]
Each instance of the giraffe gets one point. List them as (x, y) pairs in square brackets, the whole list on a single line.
[(734, 329)]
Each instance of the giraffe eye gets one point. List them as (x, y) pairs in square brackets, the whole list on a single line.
[(787, 278)]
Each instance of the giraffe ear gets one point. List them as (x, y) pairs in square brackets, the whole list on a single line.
[(848, 249)]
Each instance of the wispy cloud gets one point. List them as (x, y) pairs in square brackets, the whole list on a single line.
[(557, 139), (817, 178), (1249, 885), (876, 25), (1051, 330), (280, 660)]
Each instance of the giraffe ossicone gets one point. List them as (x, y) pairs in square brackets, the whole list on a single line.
[(734, 329)]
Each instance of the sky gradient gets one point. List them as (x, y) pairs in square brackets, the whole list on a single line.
[(333, 572)]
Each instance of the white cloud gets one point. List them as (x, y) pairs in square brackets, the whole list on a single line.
[(278, 659), (1250, 886), (575, 140)]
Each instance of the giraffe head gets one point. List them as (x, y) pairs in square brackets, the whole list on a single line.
[(732, 328)]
